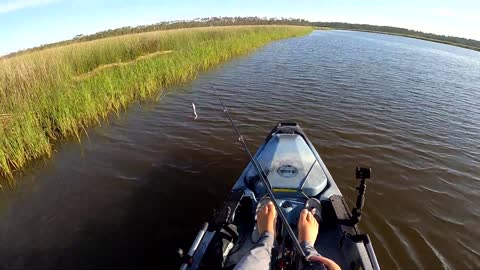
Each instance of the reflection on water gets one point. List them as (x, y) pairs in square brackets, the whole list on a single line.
[(139, 187)]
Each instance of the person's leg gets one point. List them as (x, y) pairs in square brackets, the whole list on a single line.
[(307, 235), (259, 257)]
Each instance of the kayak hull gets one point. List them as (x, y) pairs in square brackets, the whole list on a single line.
[(295, 172)]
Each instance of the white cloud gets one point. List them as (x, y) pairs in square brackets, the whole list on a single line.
[(13, 5)]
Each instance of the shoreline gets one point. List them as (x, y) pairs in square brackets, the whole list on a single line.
[(419, 37), (55, 94), (403, 35)]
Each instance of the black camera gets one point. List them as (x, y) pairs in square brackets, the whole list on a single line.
[(362, 173)]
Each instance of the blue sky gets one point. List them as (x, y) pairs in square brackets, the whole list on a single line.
[(29, 23)]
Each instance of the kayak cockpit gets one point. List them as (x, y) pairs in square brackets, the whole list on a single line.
[(295, 173)]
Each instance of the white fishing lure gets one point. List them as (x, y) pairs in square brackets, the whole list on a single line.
[(194, 111)]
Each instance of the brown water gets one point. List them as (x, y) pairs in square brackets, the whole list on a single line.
[(139, 187)]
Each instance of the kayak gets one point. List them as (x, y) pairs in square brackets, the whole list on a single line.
[(295, 174)]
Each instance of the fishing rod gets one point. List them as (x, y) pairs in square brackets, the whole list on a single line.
[(263, 176)]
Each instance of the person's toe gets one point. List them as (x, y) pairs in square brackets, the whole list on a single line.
[(271, 207), (303, 214), (310, 217), (264, 210)]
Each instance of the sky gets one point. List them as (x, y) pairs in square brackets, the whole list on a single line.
[(29, 23)]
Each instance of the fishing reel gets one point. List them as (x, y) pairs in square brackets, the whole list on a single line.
[(286, 256)]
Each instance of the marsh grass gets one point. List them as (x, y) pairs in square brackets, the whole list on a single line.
[(56, 93)]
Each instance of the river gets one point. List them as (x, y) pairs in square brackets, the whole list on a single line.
[(138, 187)]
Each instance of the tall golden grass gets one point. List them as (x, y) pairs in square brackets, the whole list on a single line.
[(56, 93)]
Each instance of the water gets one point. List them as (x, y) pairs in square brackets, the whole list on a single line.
[(139, 187)]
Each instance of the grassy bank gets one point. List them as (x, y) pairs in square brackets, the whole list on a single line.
[(55, 93)]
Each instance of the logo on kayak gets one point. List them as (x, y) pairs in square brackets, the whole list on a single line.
[(287, 171)]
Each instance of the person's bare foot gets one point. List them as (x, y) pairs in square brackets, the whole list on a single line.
[(266, 218), (307, 227)]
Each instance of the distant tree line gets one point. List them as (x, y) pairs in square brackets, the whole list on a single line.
[(229, 21), (468, 43), (177, 24), (200, 22)]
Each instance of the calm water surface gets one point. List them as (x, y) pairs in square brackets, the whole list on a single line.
[(139, 187)]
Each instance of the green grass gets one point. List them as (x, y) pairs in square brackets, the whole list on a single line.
[(56, 93)]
